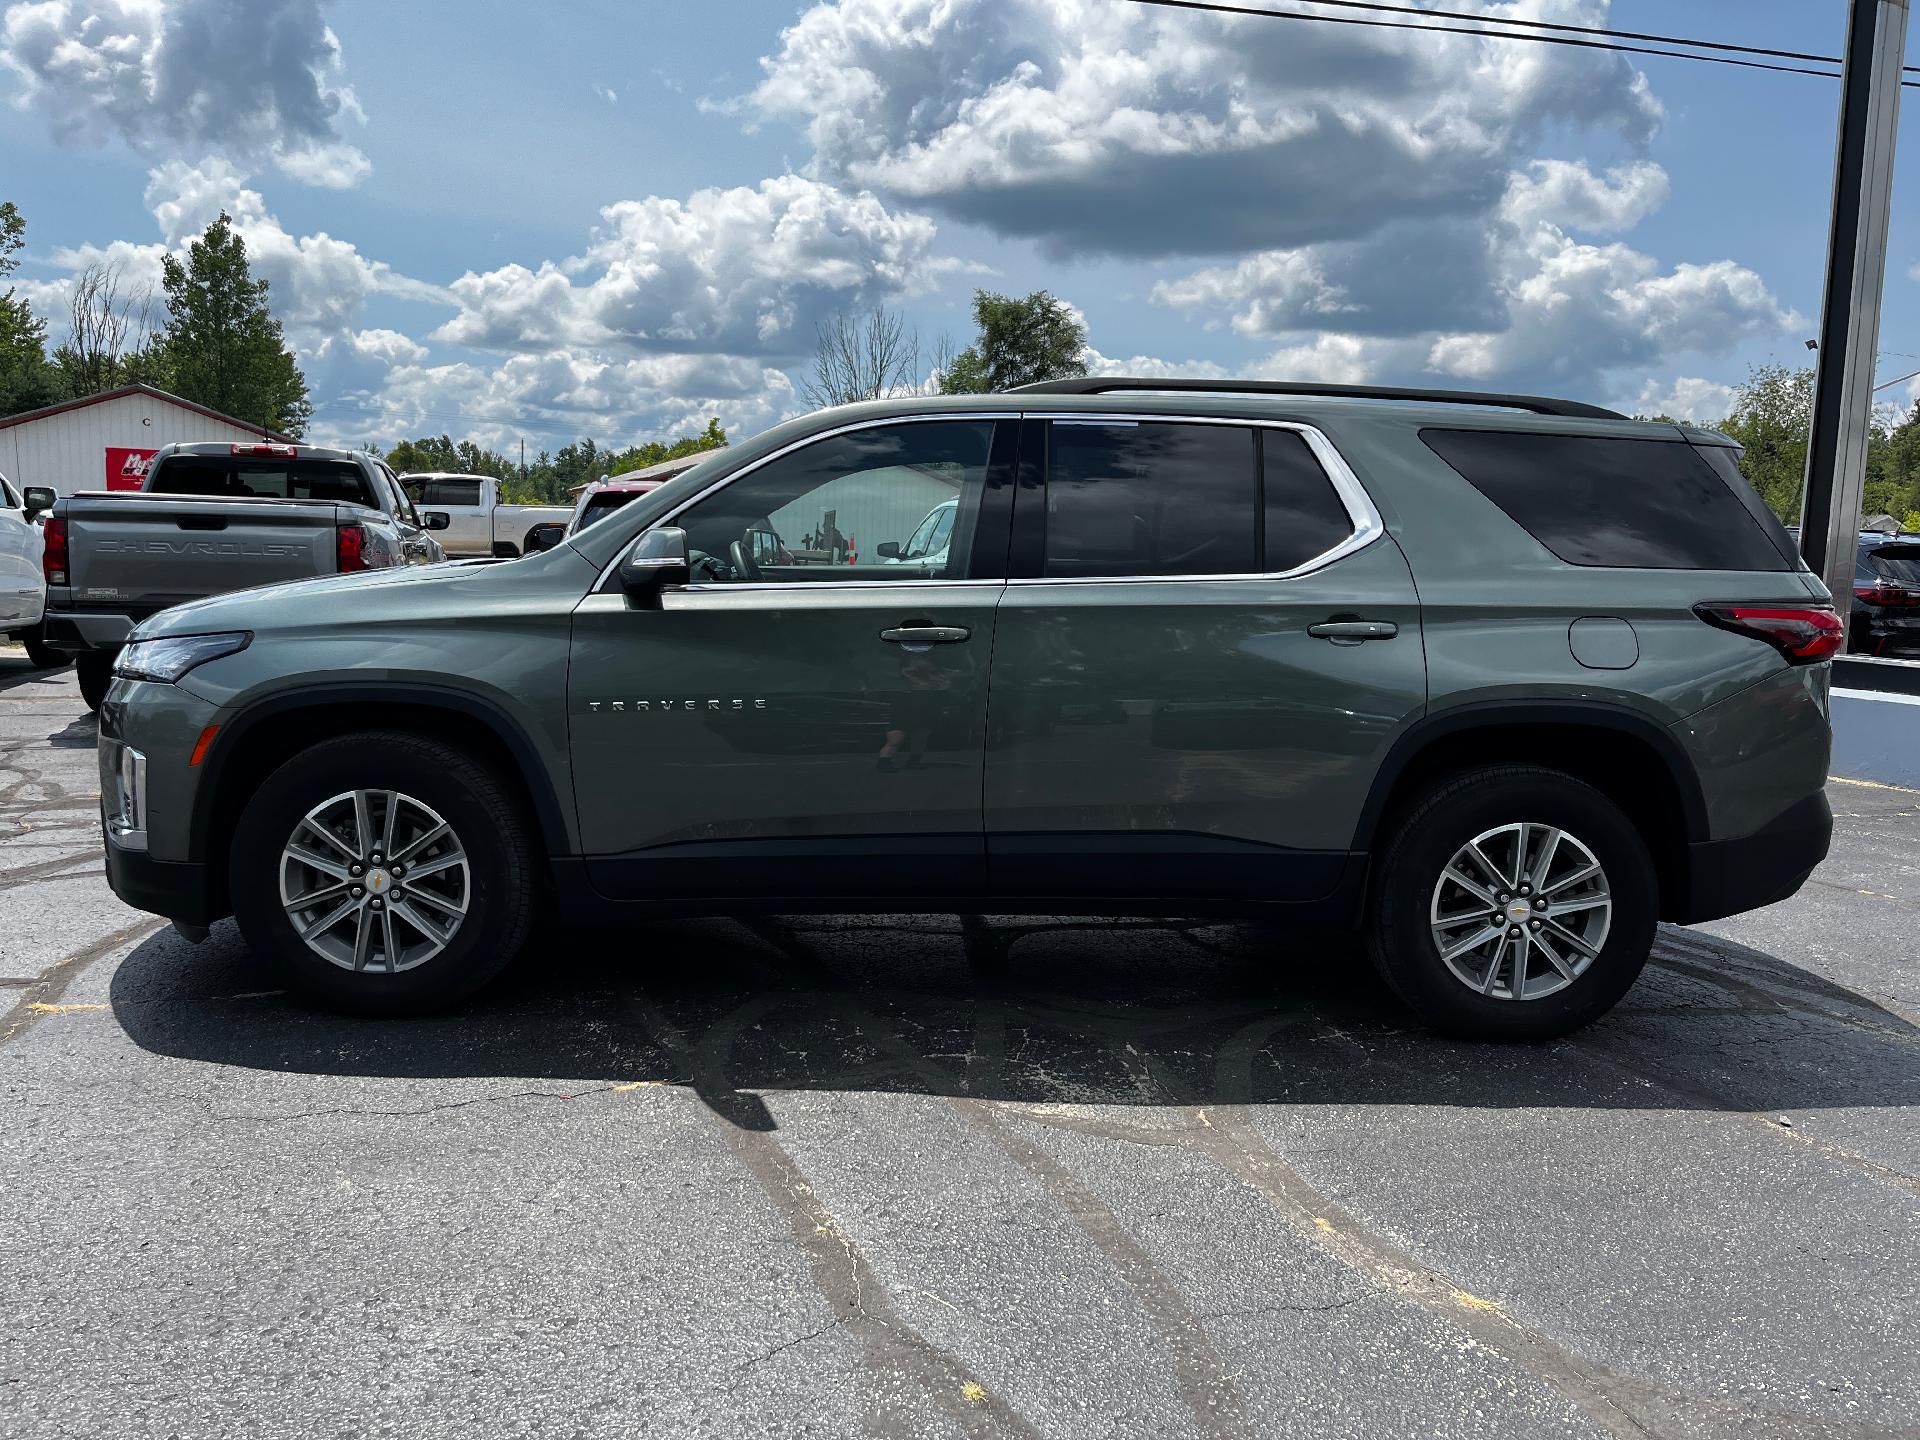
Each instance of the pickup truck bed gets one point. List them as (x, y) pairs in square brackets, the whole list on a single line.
[(130, 555)]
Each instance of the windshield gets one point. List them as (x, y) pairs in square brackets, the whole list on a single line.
[(599, 506), (931, 537)]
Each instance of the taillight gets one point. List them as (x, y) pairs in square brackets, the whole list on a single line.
[(1885, 594), (1803, 633), (279, 452), (53, 550), (350, 549)]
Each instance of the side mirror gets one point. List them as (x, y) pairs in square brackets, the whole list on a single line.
[(435, 519), (545, 536), (39, 498), (658, 559), (888, 549)]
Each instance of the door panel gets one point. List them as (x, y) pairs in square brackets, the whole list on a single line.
[(808, 717), (765, 722), (1190, 737)]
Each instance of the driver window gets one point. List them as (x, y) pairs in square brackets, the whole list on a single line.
[(895, 502)]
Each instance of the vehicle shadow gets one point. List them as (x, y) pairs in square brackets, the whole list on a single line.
[(16, 670), (1049, 1012)]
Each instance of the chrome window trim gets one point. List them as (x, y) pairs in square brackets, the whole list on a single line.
[(1367, 524)]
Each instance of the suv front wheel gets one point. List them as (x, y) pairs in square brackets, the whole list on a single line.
[(384, 873), (1512, 903)]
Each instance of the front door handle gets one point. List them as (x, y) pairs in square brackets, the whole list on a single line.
[(924, 637), (1352, 632)]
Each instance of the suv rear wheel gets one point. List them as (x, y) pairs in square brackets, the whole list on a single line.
[(1513, 903), (384, 873)]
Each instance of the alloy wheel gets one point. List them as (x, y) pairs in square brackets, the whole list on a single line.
[(375, 880), (1520, 911)]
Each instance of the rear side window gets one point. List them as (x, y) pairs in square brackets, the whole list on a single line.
[(1151, 498), (1898, 563), (448, 492), (1591, 500), (1127, 498), (335, 480), (1303, 516)]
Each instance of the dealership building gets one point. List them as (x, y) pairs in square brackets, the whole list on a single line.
[(105, 441)]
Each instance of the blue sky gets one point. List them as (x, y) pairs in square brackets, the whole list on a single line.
[(609, 219)]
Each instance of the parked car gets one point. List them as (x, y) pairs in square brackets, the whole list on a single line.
[(1497, 681), (211, 518), (927, 546), (23, 591), (478, 523), (1886, 597)]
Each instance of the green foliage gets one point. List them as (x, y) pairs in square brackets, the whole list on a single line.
[(28, 379), (222, 346), (1772, 418), (1020, 342), (549, 478)]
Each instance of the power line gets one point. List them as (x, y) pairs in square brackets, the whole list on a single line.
[(1601, 30), (1214, 7)]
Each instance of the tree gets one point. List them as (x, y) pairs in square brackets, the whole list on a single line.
[(222, 345), (657, 452), (1772, 417), (862, 357), (1020, 342), (27, 378), (109, 334)]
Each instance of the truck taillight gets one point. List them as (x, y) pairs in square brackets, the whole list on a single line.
[(1804, 634), (53, 550), (283, 452), (350, 549)]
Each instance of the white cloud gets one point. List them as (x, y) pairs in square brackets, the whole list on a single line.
[(1111, 128), (742, 271), (565, 393), (1524, 303), (257, 81), (1686, 397)]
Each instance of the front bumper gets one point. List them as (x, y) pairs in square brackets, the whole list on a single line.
[(179, 890), (1726, 877)]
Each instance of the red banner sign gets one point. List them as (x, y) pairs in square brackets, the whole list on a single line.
[(127, 469)]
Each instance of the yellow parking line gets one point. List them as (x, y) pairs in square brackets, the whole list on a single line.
[(1872, 785)]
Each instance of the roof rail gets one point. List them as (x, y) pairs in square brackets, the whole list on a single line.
[(1111, 384)]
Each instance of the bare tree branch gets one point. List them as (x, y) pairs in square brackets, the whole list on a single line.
[(105, 328), (862, 357)]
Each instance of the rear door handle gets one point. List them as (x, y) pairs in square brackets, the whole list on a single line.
[(924, 637), (1352, 632)]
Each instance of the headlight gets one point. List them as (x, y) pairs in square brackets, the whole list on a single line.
[(167, 659)]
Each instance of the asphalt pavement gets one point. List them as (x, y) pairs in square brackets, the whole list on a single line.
[(946, 1176)]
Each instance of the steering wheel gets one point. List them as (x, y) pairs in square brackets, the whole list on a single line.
[(705, 569), (743, 565)]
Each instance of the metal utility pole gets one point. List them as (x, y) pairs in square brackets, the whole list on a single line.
[(1856, 274)]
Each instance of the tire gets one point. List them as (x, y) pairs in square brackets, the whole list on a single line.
[(95, 673), (1503, 809), (505, 550), (435, 782), (39, 654)]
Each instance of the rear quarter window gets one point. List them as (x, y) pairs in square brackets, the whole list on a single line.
[(1633, 504)]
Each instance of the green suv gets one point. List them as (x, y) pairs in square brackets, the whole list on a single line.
[(1498, 682)]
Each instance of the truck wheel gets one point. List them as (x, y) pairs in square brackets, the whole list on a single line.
[(384, 873), (95, 673), (41, 655), (505, 550), (1512, 903)]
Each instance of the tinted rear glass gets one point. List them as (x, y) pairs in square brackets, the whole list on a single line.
[(1304, 517), (1639, 504), (1150, 499), (1898, 563), (600, 506), (279, 479)]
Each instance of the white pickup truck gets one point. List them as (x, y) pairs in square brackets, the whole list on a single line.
[(478, 524)]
